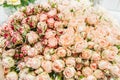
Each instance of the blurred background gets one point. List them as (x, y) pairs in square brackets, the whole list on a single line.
[(113, 6)]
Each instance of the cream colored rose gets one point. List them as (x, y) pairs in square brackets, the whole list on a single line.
[(12, 76), (9, 52), (69, 72), (8, 62)]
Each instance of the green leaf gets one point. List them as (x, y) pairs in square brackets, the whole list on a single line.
[(31, 1), (81, 77), (118, 46)]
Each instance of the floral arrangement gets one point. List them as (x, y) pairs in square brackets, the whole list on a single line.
[(60, 40)]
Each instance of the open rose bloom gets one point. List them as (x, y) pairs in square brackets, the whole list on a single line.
[(60, 40)]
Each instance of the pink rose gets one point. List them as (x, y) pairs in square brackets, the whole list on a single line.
[(95, 56), (70, 61), (38, 46), (32, 37), (52, 42), (58, 65), (32, 52), (69, 72), (93, 66), (87, 71), (43, 17), (115, 70), (54, 57), (52, 13), (47, 66), (25, 49), (50, 33), (61, 52)]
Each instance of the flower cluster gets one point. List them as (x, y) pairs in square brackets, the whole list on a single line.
[(60, 40)]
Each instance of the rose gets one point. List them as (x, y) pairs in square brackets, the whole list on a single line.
[(52, 42), (86, 71), (61, 52), (47, 66), (98, 74), (70, 61), (50, 33), (86, 54), (25, 48), (52, 13), (12, 76), (32, 52), (43, 76), (32, 37), (58, 65), (69, 72)]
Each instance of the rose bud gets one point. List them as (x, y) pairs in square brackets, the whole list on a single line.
[(70, 61), (58, 65), (43, 17), (17, 38), (32, 37), (32, 21), (86, 54), (52, 13), (41, 27), (43, 76), (32, 52), (61, 52), (45, 65), (38, 46), (69, 72), (25, 48), (52, 42), (50, 22), (50, 33), (21, 55), (87, 71), (98, 74)]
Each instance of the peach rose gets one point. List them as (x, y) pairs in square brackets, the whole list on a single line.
[(32, 37), (70, 61), (92, 19), (52, 42), (58, 65), (43, 76), (52, 13), (87, 71), (32, 52), (69, 72), (50, 33), (61, 52), (86, 54), (98, 74), (79, 46), (66, 40), (54, 57), (95, 56), (43, 17), (47, 66)]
